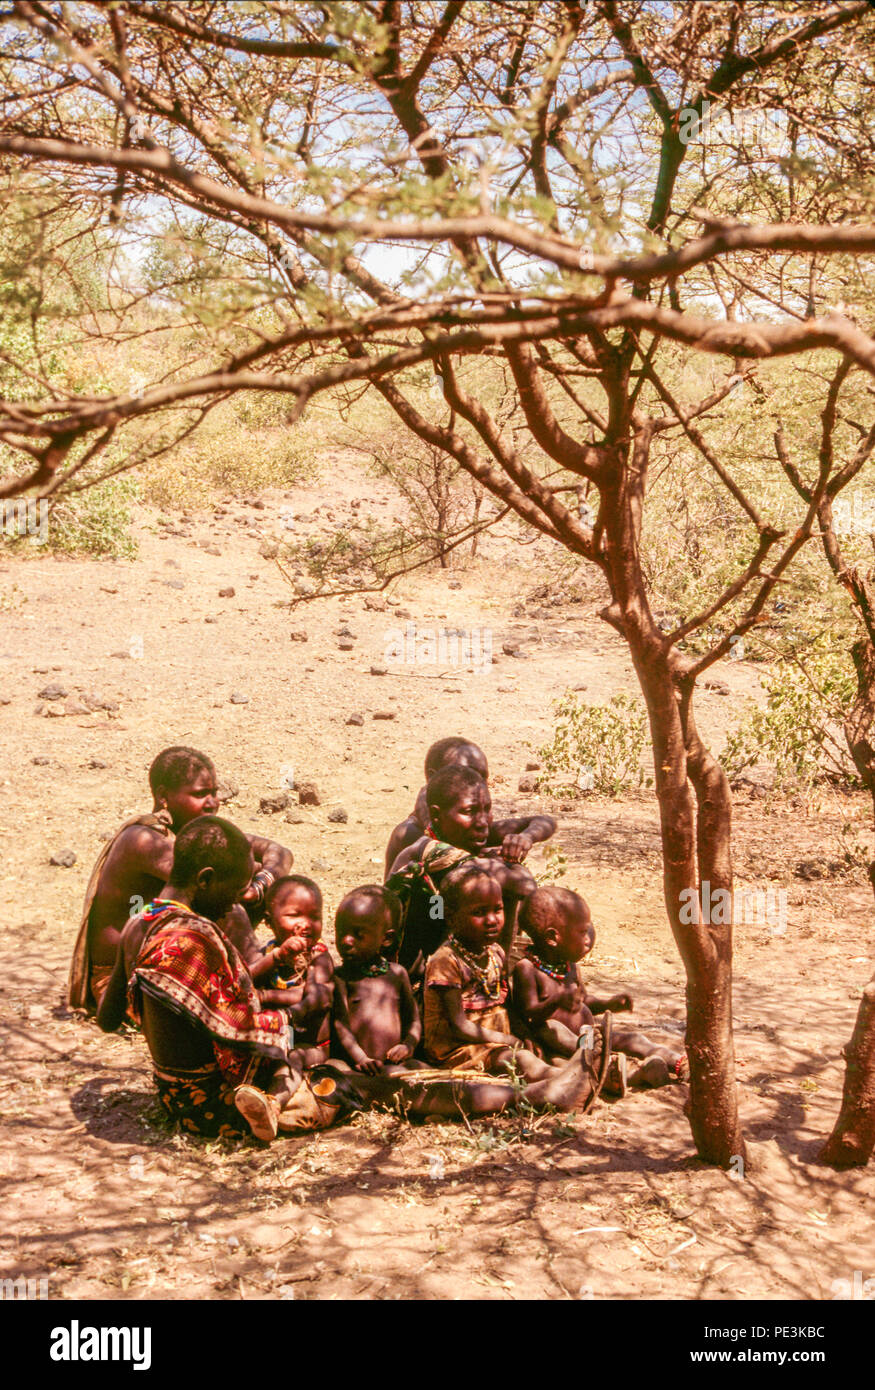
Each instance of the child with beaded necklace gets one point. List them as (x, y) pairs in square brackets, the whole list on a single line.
[(466, 1023)]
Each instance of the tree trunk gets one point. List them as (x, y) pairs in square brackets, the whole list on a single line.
[(695, 841), (710, 1036), (853, 1138), (851, 1142), (695, 837)]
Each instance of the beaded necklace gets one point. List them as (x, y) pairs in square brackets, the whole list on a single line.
[(378, 966), (488, 975), (556, 972)]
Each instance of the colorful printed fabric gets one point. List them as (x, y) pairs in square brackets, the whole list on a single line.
[(202, 1101), (416, 884), (189, 965)]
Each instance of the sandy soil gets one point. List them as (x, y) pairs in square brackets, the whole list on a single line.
[(99, 1198)]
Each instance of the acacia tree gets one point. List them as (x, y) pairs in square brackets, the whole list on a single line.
[(336, 194)]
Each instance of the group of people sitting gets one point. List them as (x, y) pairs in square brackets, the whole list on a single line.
[(433, 1005)]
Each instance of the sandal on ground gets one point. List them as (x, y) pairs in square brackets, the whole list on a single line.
[(616, 1081), (259, 1110), (607, 1032)]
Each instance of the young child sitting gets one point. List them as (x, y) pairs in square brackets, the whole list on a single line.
[(551, 1001), (460, 814), (466, 986), (296, 971), (515, 835), (376, 1021)]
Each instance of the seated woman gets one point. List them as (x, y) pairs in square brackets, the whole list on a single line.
[(460, 812), (223, 1065)]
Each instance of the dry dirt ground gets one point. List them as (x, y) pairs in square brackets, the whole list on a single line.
[(102, 1200)]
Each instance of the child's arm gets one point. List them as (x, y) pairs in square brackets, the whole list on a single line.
[(463, 1026), (618, 1004), (346, 1037), (264, 966), (517, 834), (318, 989), (410, 1020)]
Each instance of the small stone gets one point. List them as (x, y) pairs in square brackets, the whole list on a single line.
[(510, 648), (321, 866), (75, 706), (95, 701), (63, 859), (173, 564), (344, 632), (506, 689), (5, 700), (533, 767), (345, 645), (357, 719), (227, 790), (211, 619), (238, 698), (338, 816), (379, 671), (174, 583), (212, 550), (120, 656), (97, 763), (270, 805), (304, 587), (527, 784), (718, 687), (454, 584), (268, 550), (55, 712), (308, 794), (376, 603), (40, 762), (404, 613), (258, 504), (384, 714), (53, 691), (298, 636), (226, 593), (580, 687)]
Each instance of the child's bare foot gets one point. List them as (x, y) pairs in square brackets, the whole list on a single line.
[(653, 1072), (259, 1110)]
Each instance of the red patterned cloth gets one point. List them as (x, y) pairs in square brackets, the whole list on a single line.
[(189, 965)]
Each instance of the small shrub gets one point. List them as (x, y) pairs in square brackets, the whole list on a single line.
[(595, 747), (799, 731)]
